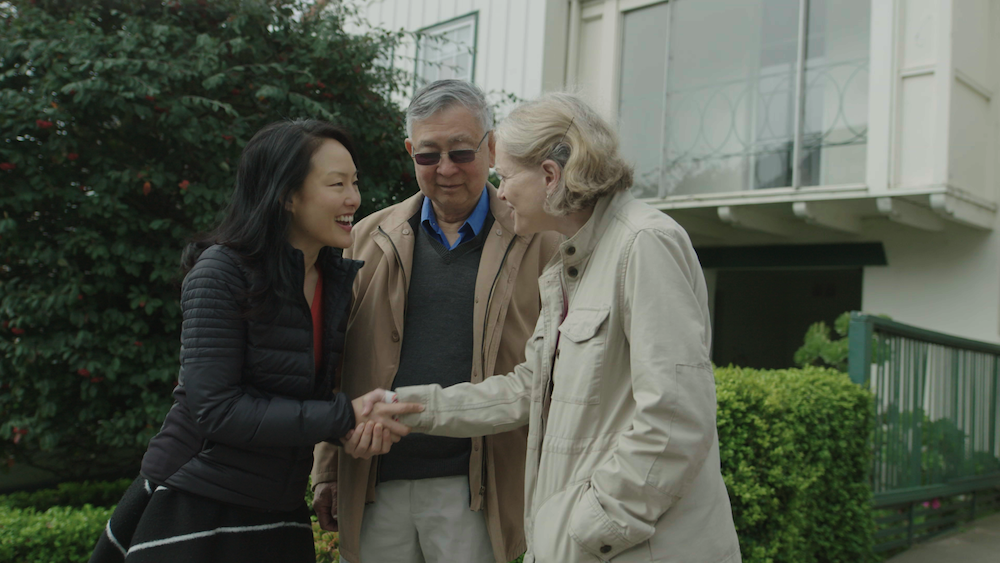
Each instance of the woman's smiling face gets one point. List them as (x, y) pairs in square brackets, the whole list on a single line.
[(523, 189), (323, 210)]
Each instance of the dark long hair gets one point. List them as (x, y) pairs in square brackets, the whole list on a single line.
[(274, 166)]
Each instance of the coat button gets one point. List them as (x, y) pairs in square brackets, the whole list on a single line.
[(499, 232), (571, 250), (406, 231), (395, 336), (557, 352), (572, 271), (605, 548)]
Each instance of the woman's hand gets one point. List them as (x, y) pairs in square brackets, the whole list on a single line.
[(368, 439), (377, 426)]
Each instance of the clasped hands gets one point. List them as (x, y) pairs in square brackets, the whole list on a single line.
[(377, 425)]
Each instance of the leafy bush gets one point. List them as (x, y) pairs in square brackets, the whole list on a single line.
[(795, 457), (60, 534), (121, 122), (96, 493), (819, 349)]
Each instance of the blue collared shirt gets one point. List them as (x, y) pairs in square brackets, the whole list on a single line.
[(469, 229)]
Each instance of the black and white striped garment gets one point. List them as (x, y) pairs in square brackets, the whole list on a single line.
[(157, 524)]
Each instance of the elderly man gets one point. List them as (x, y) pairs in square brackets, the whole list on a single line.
[(448, 294)]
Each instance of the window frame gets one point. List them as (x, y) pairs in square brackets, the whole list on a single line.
[(440, 28), (596, 8)]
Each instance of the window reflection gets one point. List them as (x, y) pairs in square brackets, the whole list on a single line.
[(714, 110)]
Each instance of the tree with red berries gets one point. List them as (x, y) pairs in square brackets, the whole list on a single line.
[(121, 122)]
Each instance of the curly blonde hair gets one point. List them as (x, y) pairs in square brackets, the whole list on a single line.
[(563, 128)]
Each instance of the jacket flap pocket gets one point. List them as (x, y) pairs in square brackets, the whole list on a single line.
[(583, 324)]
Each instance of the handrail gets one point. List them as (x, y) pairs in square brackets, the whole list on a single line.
[(937, 430), (893, 327)]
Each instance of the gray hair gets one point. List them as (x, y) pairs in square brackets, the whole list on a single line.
[(443, 94)]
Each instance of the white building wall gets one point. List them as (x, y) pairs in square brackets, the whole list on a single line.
[(948, 280), (520, 44), (942, 281)]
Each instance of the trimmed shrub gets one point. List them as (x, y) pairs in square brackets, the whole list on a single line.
[(61, 534), (97, 493), (795, 457)]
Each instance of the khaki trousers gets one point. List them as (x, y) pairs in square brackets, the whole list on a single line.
[(424, 521)]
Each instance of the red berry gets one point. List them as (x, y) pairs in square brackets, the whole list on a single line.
[(72, 156), (142, 304), (84, 372), (139, 344), (43, 124), (320, 85), (7, 166), (17, 330), (235, 91), (309, 84), (184, 185), (146, 188), (150, 98), (79, 297), (96, 379)]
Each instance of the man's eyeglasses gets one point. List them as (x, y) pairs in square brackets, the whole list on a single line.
[(463, 156)]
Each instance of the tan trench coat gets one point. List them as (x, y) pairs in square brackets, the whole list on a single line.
[(506, 308), (623, 456)]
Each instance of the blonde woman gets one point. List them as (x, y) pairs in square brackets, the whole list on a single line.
[(617, 388)]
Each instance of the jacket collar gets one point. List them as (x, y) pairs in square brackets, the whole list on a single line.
[(328, 261), (409, 207), (587, 238)]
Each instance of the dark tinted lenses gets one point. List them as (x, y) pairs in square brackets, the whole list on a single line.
[(464, 156), (426, 158)]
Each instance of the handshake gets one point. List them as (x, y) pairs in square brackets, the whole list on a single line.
[(378, 427)]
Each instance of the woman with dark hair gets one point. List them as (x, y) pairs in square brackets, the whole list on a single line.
[(265, 302)]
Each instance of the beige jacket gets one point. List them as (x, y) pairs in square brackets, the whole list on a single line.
[(623, 457), (506, 308)]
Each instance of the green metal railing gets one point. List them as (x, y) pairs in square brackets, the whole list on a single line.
[(936, 445)]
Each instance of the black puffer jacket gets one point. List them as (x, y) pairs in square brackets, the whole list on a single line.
[(250, 404)]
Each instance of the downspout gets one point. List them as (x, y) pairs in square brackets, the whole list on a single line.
[(573, 47)]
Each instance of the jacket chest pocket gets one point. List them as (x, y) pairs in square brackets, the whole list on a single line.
[(580, 357)]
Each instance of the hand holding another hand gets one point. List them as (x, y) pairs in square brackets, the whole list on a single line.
[(377, 427)]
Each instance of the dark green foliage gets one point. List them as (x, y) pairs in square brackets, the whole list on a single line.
[(61, 534), (120, 127), (795, 457), (819, 349), (97, 493)]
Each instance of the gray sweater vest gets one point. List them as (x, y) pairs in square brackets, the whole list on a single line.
[(437, 347)]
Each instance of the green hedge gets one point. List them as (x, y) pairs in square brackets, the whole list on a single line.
[(795, 457), (61, 534), (97, 493)]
